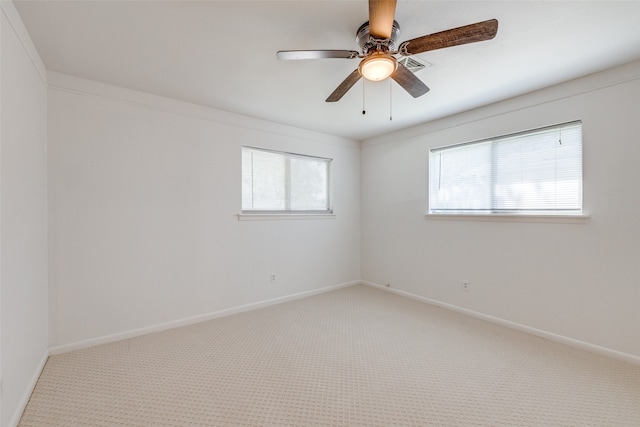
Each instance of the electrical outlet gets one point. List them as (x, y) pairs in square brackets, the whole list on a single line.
[(465, 286), (273, 277)]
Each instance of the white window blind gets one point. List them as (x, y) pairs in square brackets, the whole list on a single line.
[(278, 182), (538, 171)]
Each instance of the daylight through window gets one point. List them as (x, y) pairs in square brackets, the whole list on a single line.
[(277, 182), (538, 171)]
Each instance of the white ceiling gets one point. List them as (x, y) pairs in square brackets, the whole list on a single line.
[(222, 53)]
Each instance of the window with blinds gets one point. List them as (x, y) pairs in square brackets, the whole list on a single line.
[(278, 182), (536, 172)]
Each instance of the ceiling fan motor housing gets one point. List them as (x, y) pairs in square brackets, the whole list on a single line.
[(368, 43)]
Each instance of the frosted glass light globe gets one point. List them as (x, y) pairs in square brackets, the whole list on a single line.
[(378, 67)]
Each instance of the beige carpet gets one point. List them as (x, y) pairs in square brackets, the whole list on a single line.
[(356, 356)]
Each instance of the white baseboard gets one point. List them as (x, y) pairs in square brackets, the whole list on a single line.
[(27, 394), (191, 320), (582, 345)]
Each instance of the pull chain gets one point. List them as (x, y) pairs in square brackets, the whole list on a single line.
[(363, 110), (390, 101)]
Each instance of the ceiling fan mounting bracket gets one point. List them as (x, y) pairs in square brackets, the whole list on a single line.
[(402, 50), (369, 44)]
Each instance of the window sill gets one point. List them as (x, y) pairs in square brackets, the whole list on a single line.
[(559, 219), (276, 217)]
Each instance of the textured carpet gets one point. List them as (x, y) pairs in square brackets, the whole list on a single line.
[(356, 356)]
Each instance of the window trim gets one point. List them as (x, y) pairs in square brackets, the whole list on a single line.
[(280, 216), (566, 218), (578, 216), (287, 213)]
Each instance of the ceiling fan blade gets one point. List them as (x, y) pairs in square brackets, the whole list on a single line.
[(472, 33), (345, 86), (381, 15), (409, 81), (316, 54)]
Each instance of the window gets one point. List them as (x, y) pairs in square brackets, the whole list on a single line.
[(276, 182), (535, 172)]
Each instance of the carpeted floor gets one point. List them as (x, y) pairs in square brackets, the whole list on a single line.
[(356, 356)]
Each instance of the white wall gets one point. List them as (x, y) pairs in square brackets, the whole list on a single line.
[(145, 193), (577, 281), (23, 197)]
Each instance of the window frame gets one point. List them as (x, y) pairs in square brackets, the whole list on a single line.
[(288, 213), (513, 215)]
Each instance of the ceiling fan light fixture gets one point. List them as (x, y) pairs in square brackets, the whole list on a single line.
[(377, 66)]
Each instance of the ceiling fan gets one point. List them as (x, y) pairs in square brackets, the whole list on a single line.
[(377, 40)]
